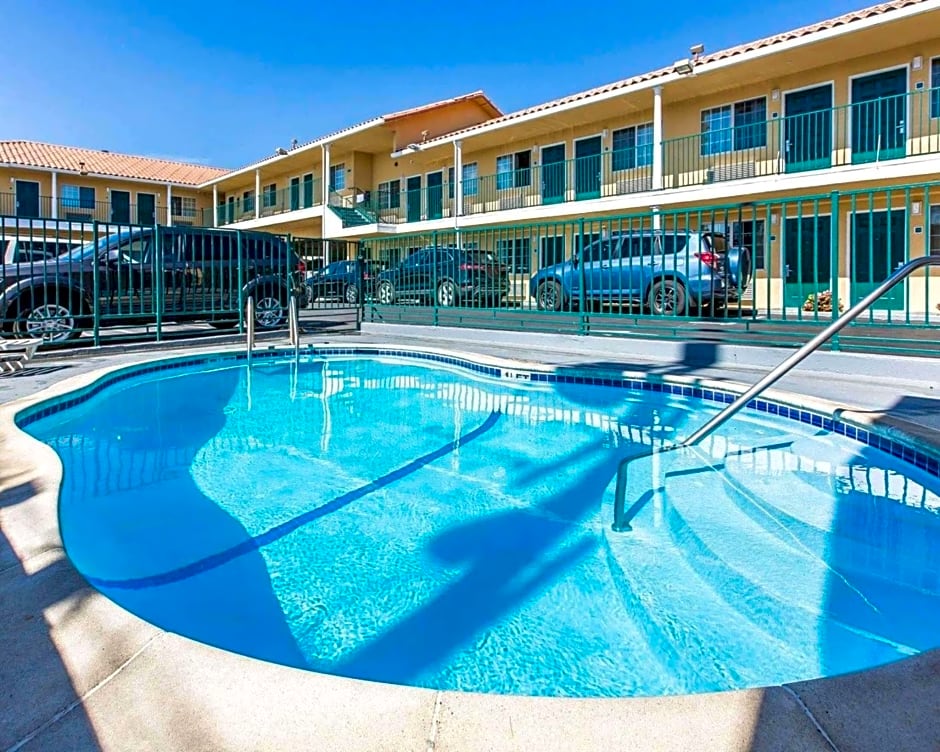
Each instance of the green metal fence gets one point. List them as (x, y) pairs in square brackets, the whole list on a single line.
[(71, 283), (785, 265)]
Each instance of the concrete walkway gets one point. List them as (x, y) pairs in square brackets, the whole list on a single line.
[(80, 673)]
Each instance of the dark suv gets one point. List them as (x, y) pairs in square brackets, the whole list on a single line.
[(191, 274), (448, 275), (342, 280)]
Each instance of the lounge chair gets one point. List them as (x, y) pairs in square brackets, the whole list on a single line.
[(15, 353)]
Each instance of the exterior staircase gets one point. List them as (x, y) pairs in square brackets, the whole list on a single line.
[(351, 212)]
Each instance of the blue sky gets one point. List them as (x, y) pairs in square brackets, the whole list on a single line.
[(226, 83)]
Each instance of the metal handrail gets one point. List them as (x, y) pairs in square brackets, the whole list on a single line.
[(622, 516), (250, 325)]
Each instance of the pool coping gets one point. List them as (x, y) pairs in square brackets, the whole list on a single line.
[(128, 677)]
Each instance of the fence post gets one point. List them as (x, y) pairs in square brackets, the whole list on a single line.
[(240, 284), (834, 262), (159, 279), (95, 286), (582, 314), (434, 256), (361, 257)]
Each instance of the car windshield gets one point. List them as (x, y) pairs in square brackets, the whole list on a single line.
[(716, 242), (481, 257), (88, 249)]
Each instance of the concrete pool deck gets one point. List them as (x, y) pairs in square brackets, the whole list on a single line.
[(80, 673)]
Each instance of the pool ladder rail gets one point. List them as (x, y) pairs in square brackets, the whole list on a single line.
[(624, 515), (293, 325)]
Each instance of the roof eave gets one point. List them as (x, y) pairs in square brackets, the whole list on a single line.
[(99, 175), (662, 80), (319, 142)]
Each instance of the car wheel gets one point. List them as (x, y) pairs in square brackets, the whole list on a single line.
[(667, 298), (385, 293), (351, 294), (548, 296), (50, 322), (269, 310), (446, 294)]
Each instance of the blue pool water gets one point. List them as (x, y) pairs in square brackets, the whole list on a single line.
[(416, 524)]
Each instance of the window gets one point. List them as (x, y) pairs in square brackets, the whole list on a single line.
[(248, 201), (390, 194), (514, 253), (78, 197), (183, 206), (935, 88), (337, 177), (934, 239), (750, 234), (742, 125), (633, 147), (269, 195), (514, 170), (471, 183), (551, 251)]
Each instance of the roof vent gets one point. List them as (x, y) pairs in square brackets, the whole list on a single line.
[(280, 151)]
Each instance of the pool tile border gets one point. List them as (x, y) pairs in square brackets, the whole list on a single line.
[(926, 461)]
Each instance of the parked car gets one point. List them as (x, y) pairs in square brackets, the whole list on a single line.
[(668, 272), (449, 275), (192, 274), (342, 279), (16, 250)]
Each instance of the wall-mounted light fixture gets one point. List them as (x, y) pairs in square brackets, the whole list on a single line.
[(917, 63), (604, 133), (696, 51), (915, 207), (775, 94), (682, 67)]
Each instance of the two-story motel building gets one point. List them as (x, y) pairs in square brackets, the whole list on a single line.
[(815, 143)]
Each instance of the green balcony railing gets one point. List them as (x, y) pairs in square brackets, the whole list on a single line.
[(889, 128), (295, 197), (70, 210)]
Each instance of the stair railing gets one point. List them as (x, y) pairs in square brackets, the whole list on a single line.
[(623, 516)]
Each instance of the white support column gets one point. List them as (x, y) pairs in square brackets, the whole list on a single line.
[(458, 179), (657, 218), (169, 206), (55, 195), (658, 138), (326, 175), (257, 192), (215, 205)]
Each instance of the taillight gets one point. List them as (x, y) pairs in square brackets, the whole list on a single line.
[(708, 258), (470, 267)]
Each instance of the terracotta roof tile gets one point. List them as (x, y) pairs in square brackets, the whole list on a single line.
[(848, 18), (98, 162)]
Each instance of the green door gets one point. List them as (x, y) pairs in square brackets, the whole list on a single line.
[(807, 129), (294, 194), (587, 168), (413, 199), (879, 247), (435, 195), (807, 267), (554, 180), (146, 209), (879, 106), (308, 190), (121, 207), (27, 199)]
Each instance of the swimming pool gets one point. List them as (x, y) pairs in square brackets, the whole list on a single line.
[(419, 523)]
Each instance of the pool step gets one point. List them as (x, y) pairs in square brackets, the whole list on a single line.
[(818, 507), (779, 585), (704, 643)]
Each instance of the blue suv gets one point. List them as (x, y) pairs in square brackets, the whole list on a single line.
[(669, 272)]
